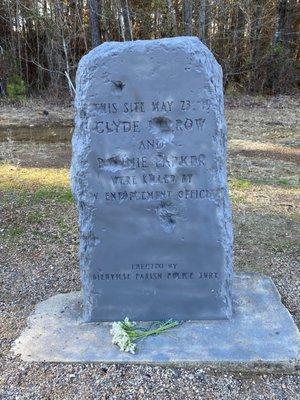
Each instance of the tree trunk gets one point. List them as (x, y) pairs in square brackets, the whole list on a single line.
[(255, 30), (281, 21), (256, 27), (187, 17), (172, 13), (208, 28), (126, 23), (202, 19), (94, 22), (238, 38)]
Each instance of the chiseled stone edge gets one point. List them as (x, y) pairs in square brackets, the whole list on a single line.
[(62, 313)]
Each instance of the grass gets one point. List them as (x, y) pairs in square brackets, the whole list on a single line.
[(13, 232), (14, 177), (245, 184), (60, 195), (241, 184), (35, 217), (27, 194), (283, 182), (35, 184), (63, 226)]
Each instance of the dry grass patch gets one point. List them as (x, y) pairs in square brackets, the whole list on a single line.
[(14, 177)]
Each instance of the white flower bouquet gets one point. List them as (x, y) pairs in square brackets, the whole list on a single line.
[(125, 333)]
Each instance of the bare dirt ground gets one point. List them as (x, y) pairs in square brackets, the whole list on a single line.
[(36, 112), (39, 239)]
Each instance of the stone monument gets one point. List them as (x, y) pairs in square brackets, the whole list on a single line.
[(149, 179)]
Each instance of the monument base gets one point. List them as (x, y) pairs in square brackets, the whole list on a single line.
[(261, 335)]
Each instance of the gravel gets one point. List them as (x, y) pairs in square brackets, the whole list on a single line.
[(113, 382)]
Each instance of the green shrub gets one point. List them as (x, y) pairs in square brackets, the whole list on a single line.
[(16, 88)]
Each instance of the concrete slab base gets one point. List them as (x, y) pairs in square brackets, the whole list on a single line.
[(261, 336)]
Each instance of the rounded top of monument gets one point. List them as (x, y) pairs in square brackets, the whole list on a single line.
[(177, 40), (190, 44)]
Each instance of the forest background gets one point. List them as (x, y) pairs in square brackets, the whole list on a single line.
[(41, 41)]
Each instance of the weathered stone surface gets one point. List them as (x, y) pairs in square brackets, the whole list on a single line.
[(149, 177), (261, 335)]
